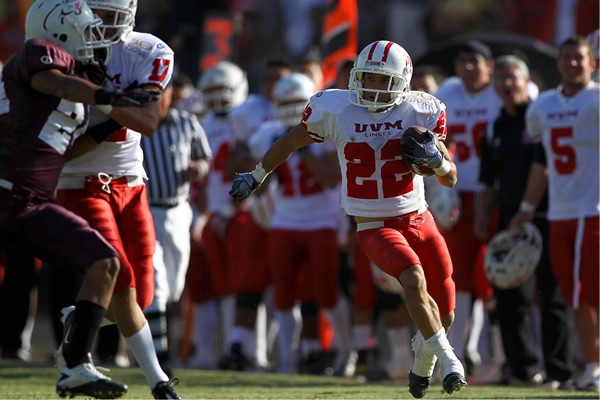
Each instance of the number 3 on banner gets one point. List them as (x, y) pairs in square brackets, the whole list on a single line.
[(160, 68)]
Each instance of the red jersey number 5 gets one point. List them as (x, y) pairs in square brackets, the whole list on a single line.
[(160, 68)]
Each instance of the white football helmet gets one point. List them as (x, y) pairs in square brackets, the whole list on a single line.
[(69, 23), (290, 96), (223, 87), (124, 19), (385, 58), (444, 203), (512, 256)]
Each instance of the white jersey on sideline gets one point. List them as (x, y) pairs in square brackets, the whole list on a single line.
[(568, 129), (141, 58), (469, 116), (301, 203), (376, 182), (247, 118), (220, 139)]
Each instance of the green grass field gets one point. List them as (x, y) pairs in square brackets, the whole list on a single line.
[(37, 381)]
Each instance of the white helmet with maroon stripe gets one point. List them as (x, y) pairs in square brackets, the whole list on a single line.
[(385, 58), (69, 23)]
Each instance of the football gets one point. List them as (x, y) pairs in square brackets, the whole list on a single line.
[(416, 132)]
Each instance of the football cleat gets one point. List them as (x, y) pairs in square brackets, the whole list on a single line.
[(68, 320), (418, 385), (166, 390), (454, 374), (84, 379), (453, 382)]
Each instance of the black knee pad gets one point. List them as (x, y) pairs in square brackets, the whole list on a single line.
[(388, 301), (309, 309), (248, 300)]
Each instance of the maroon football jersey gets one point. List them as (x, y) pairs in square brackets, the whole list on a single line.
[(36, 130)]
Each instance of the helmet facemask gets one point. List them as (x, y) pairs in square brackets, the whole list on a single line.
[(122, 19), (397, 88), (383, 58)]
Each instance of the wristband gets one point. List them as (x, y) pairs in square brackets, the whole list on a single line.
[(105, 108), (102, 131), (443, 169), (259, 173), (526, 207), (104, 96)]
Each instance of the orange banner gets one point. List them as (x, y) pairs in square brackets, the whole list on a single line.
[(339, 39), (217, 45)]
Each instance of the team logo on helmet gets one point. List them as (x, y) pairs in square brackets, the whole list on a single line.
[(66, 8)]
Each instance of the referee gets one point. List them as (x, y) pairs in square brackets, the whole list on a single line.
[(177, 153)]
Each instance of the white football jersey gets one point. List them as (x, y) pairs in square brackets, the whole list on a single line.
[(301, 203), (141, 58), (376, 182), (469, 116), (247, 118), (220, 140), (568, 129)]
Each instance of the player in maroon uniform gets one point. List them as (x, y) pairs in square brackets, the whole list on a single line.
[(43, 109)]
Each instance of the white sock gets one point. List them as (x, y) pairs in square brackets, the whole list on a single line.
[(142, 348), (227, 308), (458, 331), (477, 322), (206, 318), (260, 342), (289, 337), (339, 318), (425, 359)]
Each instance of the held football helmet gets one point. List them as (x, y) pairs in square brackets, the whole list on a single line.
[(69, 23), (444, 203), (385, 58), (124, 19), (290, 96), (223, 87), (512, 256)]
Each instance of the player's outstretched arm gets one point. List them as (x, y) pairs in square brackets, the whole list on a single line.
[(55, 83), (245, 184)]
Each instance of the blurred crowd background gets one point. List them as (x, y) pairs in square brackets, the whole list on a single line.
[(255, 30)]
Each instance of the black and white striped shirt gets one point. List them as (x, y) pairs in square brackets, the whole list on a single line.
[(178, 140)]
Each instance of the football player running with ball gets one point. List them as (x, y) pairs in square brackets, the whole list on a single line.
[(395, 229)]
